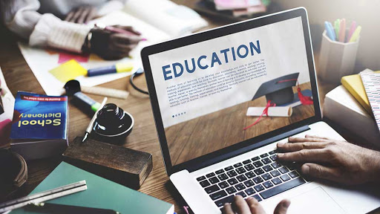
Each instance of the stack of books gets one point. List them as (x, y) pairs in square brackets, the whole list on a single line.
[(348, 106), (241, 8)]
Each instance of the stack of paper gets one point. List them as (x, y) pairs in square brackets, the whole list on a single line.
[(348, 105), (371, 82), (354, 84), (242, 7), (342, 108)]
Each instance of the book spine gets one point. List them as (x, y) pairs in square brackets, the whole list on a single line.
[(353, 92)]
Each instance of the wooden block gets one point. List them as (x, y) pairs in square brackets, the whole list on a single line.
[(122, 165)]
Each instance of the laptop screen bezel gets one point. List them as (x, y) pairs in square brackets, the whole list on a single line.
[(212, 34)]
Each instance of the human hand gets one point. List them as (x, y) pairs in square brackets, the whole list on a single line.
[(110, 45), (81, 15), (252, 206), (333, 160)]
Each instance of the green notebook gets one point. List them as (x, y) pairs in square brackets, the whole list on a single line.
[(100, 193)]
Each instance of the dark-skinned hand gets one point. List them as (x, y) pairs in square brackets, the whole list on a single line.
[(81, 15), (110, 45), (252, 206), (332, 160)]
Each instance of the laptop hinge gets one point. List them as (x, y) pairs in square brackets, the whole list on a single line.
[(248, 148)]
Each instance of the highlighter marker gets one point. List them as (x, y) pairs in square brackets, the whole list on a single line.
[(352, 30), (342, 33), (118, 68), (85, 103), (337, 28), (330, 31), (355, 36)]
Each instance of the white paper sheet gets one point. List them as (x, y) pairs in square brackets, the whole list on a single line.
[(176, 20), (272, 111), (235, 4), (41, 61)]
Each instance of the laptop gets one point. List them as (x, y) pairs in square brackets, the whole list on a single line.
[(222, 100)]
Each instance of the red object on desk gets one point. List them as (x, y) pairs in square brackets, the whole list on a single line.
[(265, 112), (65, 56)]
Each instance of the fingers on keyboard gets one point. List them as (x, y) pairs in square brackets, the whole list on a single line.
[(260, 177)]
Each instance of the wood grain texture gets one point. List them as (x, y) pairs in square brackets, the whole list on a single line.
[(122, 165), (19, 77), (218, 130)]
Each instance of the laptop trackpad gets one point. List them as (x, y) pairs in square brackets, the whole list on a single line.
[(314, 201)]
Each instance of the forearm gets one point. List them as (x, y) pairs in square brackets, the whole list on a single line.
[(376, 166), (20, 16), (370, 162), (53, 32)]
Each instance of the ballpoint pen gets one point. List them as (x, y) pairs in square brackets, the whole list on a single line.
[(118, 30), (89, 127)]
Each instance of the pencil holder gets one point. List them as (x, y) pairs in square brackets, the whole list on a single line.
[(336, 59)]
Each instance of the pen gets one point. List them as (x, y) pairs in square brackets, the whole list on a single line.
[(356, 34), (89, 127), (117, 30), (342, 33), (352, 30), (329, 30), (117, 68), (61, 209), (337, 28)]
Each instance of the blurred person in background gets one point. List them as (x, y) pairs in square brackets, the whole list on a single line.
[(61, 24)]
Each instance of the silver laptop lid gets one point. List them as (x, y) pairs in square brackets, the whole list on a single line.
[(219, 91)]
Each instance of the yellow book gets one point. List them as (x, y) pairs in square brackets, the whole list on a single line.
[(354, 85)]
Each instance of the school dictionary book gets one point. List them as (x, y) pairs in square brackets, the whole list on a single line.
[(39, 128)]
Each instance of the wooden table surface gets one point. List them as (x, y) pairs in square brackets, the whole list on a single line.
[(215, 131), (19, 77)]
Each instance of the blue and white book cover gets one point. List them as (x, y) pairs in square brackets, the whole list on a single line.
[(39, 117)]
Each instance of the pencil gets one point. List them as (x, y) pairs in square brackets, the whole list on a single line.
[(89, 127)]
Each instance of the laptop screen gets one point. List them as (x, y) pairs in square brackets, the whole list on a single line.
[(217, 93)]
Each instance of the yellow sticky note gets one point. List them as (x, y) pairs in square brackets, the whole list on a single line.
[(68, 71)]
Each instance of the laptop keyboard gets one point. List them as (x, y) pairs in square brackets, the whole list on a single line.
[(260, 177)]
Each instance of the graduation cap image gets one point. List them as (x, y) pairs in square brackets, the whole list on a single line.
[(278, 90)]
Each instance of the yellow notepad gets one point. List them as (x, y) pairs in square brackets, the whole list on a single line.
[(68, 71), (354, 85)]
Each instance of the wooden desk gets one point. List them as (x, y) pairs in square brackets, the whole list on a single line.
[(19, 77), (215, 131)]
